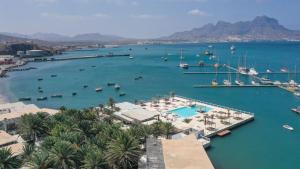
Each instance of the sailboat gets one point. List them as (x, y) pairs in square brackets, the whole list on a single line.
[(243, 69), (238, 81), (181, 64), (227, 82)]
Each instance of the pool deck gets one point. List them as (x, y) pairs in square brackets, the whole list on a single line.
[(218, 119)]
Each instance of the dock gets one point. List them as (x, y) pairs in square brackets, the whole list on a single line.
[(224, 133), (231, 86), (78, 58)]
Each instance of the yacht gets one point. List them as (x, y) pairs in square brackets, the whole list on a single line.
[(181, 64), (288, 127), (277, 83), (252, 72), (99, 89), (297, 109), (227, 82), (243, 70), (239, 82), (214, 83), (297, 94)]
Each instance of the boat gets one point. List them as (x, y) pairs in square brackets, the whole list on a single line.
[(227, 82), (201, 63), (208, 53), (243, 70), (297, 94), (117, 87), (254, 83), (53, 75), (111, 84), (41, 91), (57, 96), (165, 59), (277, 83), (122, 94), (288, 127), (138, 78), (99, 89), (297, 109), (39, 87), (25, 99), (266, 81), (252, 72), (74, 94), (131, 57), (239, 83), (81, 70), (284, 70), (214, 82), (269, 71), (293, 83), (93, 66), (85, 86), (181, 64), (41, 98), (232, 48), (40, 79)]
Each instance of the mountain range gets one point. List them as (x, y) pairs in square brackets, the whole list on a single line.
[(261, 28)]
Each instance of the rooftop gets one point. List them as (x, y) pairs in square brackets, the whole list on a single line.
[(9, 141)]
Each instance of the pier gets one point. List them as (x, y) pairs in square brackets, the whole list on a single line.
[(231, 86), (79, 57)]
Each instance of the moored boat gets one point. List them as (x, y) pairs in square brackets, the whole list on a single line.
[(40, 79), (252, 72), (297, 109), (57, 96), (53, 75), (214, 83), (74, 94), (227, 82), (85, 86), (117, 87), (99, 89), (122, 94), (239, 83), (41, 98), (284, 70), (25, 99), (297, 94), (111, 84), (254, 83), (184, 65), (288, 127), (266, 81)]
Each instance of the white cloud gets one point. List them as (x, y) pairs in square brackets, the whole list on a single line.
[(197, 12)]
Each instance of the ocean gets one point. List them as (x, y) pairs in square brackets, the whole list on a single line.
[(261, 144)]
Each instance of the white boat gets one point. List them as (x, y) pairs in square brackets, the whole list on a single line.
[(214, 83), (240, 83), (269, 71), (297, 94), (243, 70), (98, 89), (227, 82), (288, 127), (232, 48), (277, 83), (131, 57), (252, 72), (266, 81), (117, 87), (254, 83), (284, 70), (184, 65), (293, 83), (297, 109)]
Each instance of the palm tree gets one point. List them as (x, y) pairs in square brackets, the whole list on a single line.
[(123, 152), (40, 160), (64, 155), (28, 149), (8, 160), (33, 126), (168, 128), (94, 159)]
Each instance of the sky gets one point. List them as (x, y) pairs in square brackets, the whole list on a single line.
[(136, 18)]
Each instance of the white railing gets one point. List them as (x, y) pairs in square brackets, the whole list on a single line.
[(212, 104)]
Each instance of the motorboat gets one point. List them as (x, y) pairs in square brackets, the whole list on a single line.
[(57, 96), (99, 89), (53, 75), (41, 98), (252, 72), (239, 82), (111, 84), (254, 83), (138, 78), (284, 70), (131, 57), (297, 109), (40, 79), (25, 99), (277, 83), (184, 65), (266, 81), (117, 87), (269, 71), (288, 127), (122, 94), (232, 48), (85, 86), (297, 94), (243, 70), (74, 94)]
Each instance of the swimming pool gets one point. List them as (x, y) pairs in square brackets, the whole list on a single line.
[(186, 112)]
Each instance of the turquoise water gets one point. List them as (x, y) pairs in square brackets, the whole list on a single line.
[(261, 144), (186, 112)]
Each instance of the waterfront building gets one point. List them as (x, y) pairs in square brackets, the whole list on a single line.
[(36, 53)]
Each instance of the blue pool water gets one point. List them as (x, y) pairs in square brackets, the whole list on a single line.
[(187, 112)]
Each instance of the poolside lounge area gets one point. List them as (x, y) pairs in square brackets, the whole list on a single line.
[(209, 117)]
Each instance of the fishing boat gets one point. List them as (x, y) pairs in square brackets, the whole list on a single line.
[(99, 89), (25, 99), (57, 96), (41, 98), (252, 72), (297, 109), (214, 82), (74, 94), (111, 84), (297, 94), (181, 64), (117, 87), (40, 79), (284, 70), (85, 86), (53, 75), (122, 94), (288, 127)]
